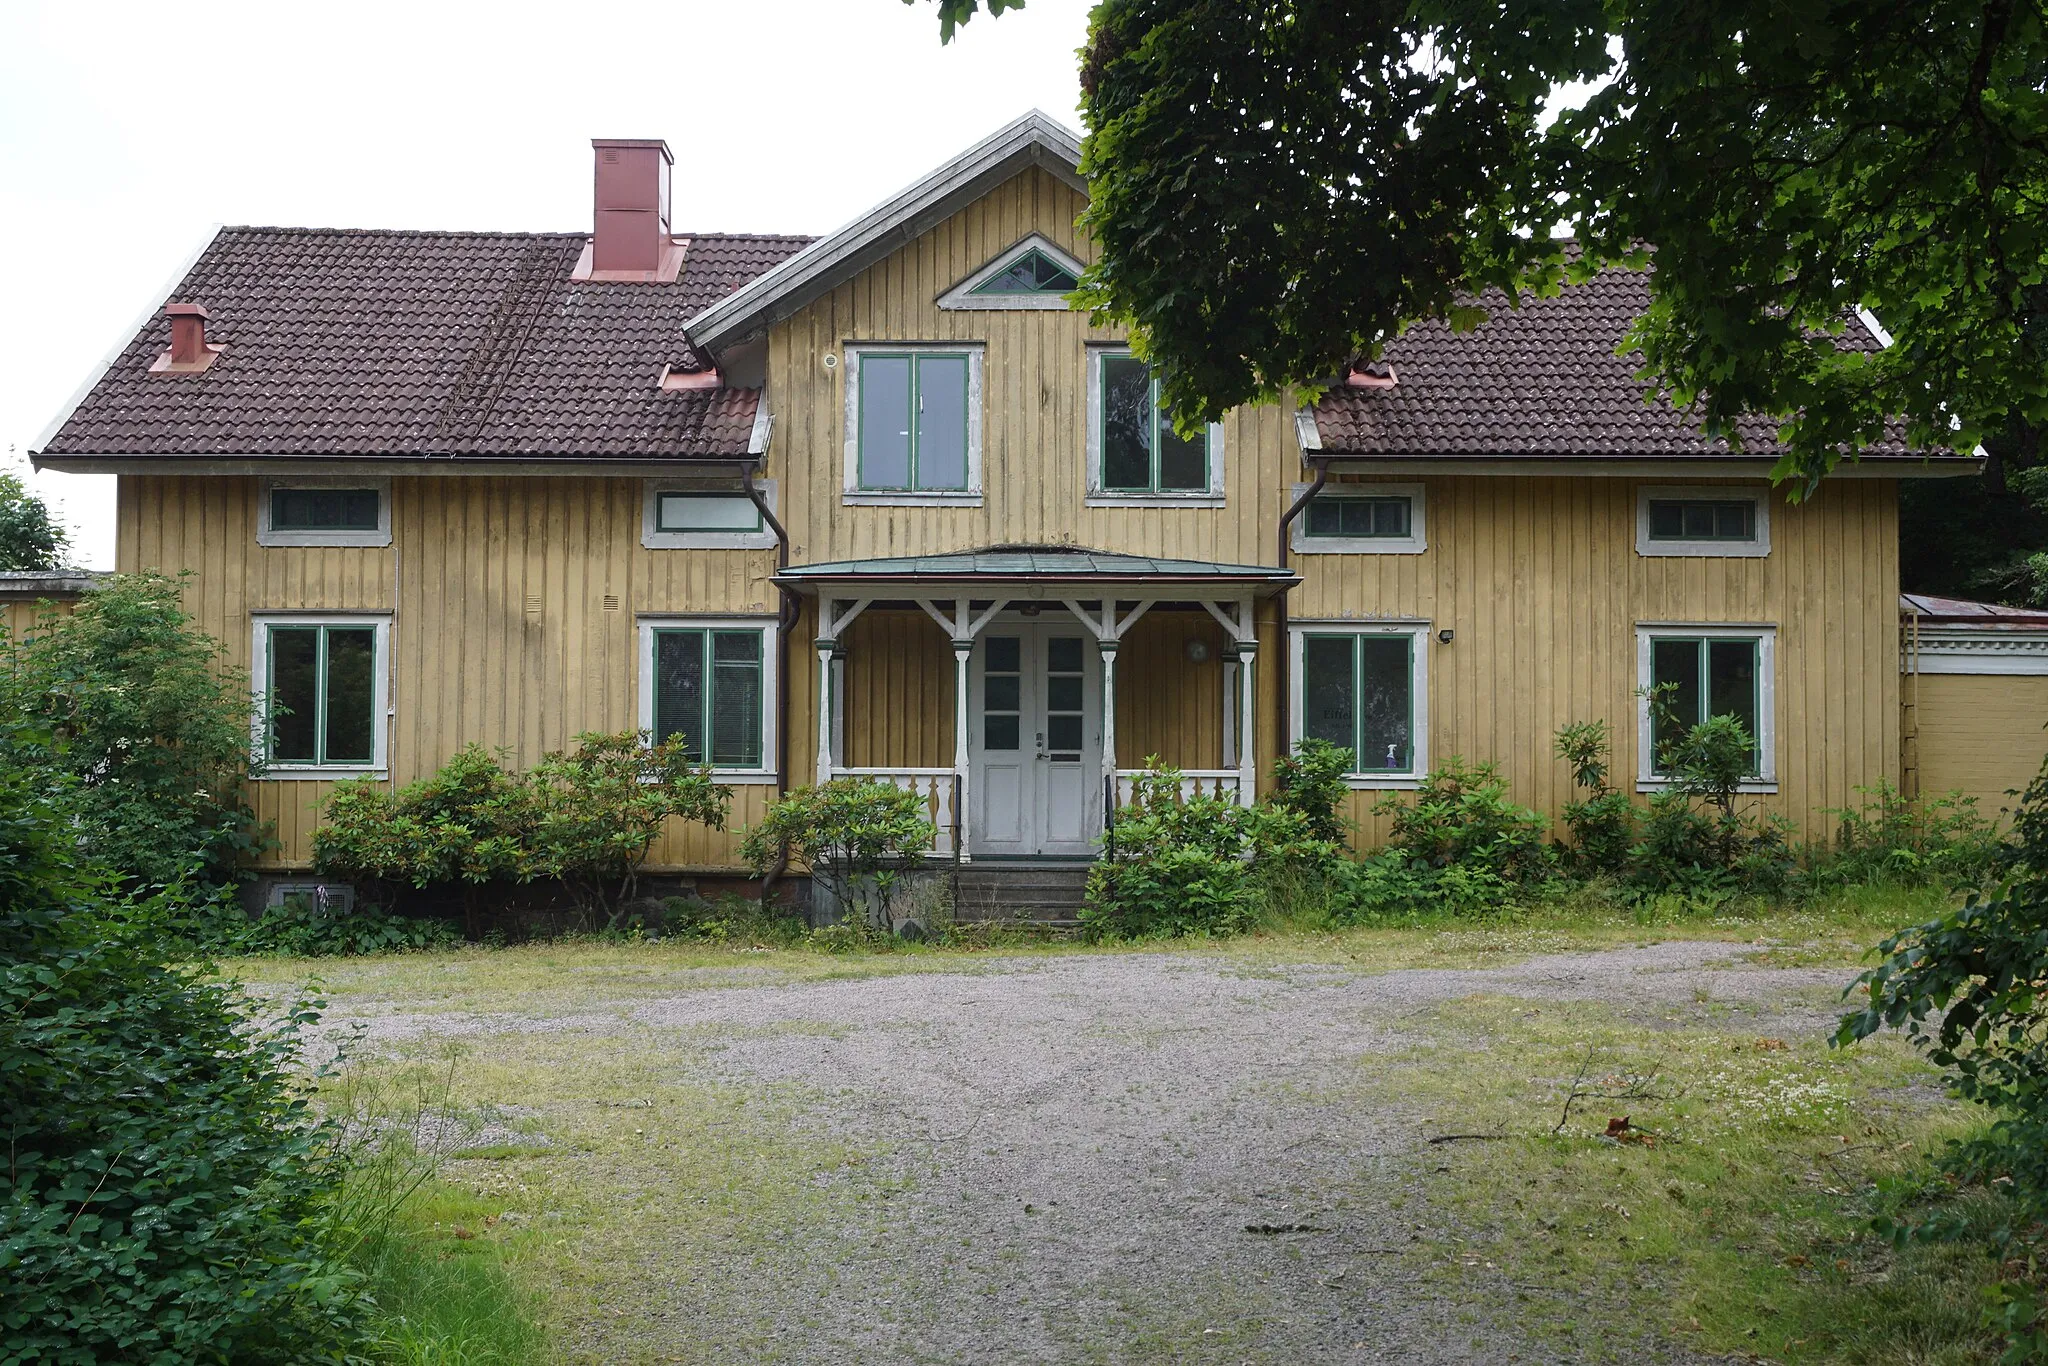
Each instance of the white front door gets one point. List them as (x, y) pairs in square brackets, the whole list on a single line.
[(1035, 708)]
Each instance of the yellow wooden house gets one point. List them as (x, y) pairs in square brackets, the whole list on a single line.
[(880, 502)]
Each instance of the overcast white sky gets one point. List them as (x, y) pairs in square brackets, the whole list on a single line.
[(127, 130)]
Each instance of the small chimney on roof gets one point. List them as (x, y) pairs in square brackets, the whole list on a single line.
[(190, 351), (630, 237)]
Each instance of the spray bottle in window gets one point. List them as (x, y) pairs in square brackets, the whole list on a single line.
[(1392, 762)]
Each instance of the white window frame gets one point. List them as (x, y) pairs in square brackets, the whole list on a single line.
[(1755, 548), (1100, 497), (1766, 636), (1418, 632), (380, 700), (654, 538), (961, 297), (1414, 543), (853, 495), (268, 535), (771, 682)]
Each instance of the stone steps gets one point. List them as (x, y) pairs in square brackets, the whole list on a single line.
[(1045, 894)]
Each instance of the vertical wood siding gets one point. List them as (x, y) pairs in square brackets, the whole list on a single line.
[(1980, 734), (899, 693), (1167, 705)]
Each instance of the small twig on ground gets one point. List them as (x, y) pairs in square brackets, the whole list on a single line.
[(1459, 1138), (1636, 1088)]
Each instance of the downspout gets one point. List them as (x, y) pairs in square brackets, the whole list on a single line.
[(1311, 441), (785, 620)]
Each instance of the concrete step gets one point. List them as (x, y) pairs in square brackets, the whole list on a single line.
[(1048, 894)]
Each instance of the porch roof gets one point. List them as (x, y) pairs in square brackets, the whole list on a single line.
[(1041, 564)]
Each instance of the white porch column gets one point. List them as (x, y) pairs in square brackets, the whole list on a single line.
[(962, 649), (1108, 644), (826, 644), (1247, 724)]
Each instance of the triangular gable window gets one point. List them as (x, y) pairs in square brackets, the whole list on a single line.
[(1033, 273)]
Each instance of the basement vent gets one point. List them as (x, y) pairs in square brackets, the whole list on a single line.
[(611, 602), (533, 607)]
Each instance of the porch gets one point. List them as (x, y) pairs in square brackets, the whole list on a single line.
[(1018, 690)]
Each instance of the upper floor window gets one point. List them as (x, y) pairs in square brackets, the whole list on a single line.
[(324, 512), (1033, 273), (320, 682), (1135, 450), (914, 423), (699, 518), (1702, 521), (1361, 519)]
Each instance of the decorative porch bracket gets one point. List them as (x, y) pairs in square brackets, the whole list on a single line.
[(834, 616), (1242, 741), (963, 625)]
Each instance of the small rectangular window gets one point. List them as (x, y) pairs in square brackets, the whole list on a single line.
[(1358, 692), (1141, 452), (293, 509), (913, 422), (710, 512), (1348, 516), (708, 689), (1701, 519), (322, 694), (1695, 678)]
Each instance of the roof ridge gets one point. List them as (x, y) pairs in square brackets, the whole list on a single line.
[(497, 234)]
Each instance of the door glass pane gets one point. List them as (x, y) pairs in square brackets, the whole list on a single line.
[(1675, 663), (1126, 423), (1063, 692), (999, 731), (1004, 654), (1001, 692), (885, 422), (1328, 698), (1385, 704), (351, 694), (679, 689), (736, 699), (942, 422), (1063, 654), (1063, 733), (1731, 685), (1183, 461), (295, 694)]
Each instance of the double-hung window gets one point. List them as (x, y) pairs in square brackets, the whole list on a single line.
[(322, 686), (913, 423), (1713, 520), (1134, 449), (1364, 690), (1689, 674), (1361, 519), (711, 684)]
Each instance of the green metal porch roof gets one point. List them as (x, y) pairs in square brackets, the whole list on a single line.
[(1012, 564)]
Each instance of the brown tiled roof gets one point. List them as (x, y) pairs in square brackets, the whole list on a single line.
[(370, 343), (1539, 382)]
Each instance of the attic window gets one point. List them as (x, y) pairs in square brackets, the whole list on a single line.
[(1033, 273)]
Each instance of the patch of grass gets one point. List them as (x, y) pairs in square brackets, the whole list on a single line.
[(1733, 1213), (444, 1293)]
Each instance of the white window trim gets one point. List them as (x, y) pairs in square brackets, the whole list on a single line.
[(265, 535), (770, 682), (853, 495), (1737, 550), (1766, 637), (1099, 497), (380, 699), (653, 538), (1418, 682), (961, 297), (1414, 543)]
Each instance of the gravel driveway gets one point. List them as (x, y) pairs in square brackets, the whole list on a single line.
[(1136, 1157)]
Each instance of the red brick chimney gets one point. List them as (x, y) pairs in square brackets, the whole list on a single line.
[(190, 351), (630, 238)]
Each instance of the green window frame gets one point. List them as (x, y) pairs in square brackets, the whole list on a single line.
[(297, 508), (1359, 517), (1717, 675), (710, 686), (1137, 449), (684, 500), (1029, 272), (929, 393), (1732, 520), (320, 694), (1358, 691)]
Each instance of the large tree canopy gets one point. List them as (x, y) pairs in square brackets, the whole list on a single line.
[(1280, 185)]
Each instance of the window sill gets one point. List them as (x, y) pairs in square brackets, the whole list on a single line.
[(371, 540), (709, 540), (284, 773), (1154, 500), (1756, 786), (1358, 545), (1375, 782), (1703, 550), (855, 499)]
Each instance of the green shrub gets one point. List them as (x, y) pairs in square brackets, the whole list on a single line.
[(298, 928), (142, 715), (856, 835), (1461, 817), (1892, 839), (728, 920), (165, 1180), (1310, 781), (1174, 865), (1603, 822)]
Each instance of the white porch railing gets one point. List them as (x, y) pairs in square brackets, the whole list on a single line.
[(1226, 783), (940, 788)]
